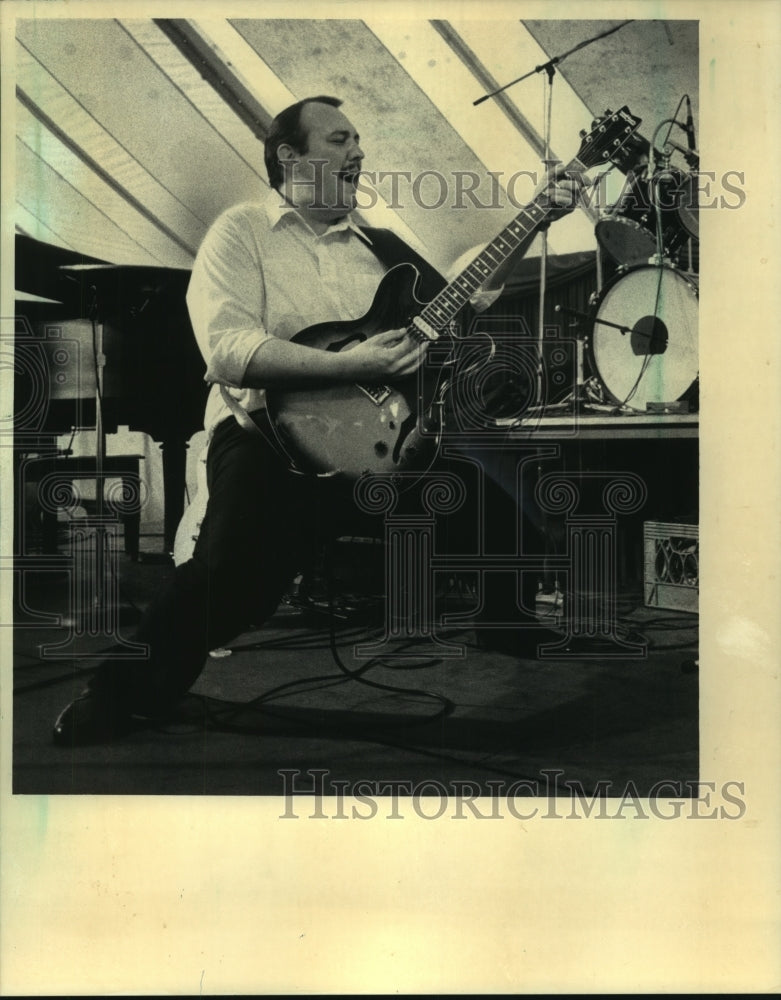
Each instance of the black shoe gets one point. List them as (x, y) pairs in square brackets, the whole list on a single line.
[(91, 718)]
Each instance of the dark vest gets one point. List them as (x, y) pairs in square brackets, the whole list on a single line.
[(391, 250)]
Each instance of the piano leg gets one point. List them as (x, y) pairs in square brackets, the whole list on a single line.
[(174, 472)]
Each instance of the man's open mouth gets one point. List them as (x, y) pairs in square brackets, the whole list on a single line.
[(350, 176)]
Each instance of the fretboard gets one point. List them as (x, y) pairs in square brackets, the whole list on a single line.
[(442, 309)]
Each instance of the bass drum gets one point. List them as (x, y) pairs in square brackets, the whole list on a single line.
[(654, 357)]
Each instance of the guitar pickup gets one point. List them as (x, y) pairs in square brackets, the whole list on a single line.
[(376, 393), (423, 327)]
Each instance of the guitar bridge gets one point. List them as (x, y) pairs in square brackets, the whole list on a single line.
[(376, 393)]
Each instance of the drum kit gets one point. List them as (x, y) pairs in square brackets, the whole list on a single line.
[(642, 348)]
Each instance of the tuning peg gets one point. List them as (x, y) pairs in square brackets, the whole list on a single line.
[(583, 133)]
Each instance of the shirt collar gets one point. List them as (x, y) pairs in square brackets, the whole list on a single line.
[(278, 210)]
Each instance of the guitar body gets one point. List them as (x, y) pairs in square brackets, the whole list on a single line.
[(350, 429)]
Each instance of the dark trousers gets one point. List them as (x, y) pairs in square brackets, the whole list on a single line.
[(261, 526)]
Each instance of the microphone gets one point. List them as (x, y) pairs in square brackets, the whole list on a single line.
[(691, 155)]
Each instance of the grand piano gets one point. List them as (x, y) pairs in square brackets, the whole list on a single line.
[(153, 377)]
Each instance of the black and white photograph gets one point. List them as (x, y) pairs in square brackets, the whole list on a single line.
[(361, 420)]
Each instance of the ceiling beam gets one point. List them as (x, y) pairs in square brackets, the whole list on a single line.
[(103, 175), (214, 70), (489, 83)]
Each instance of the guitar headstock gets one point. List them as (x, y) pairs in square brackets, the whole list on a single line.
[(608, 135), (633, 155)]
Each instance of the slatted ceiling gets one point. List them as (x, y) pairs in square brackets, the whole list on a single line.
[(232, 49), (439, 74), (150, 117), (53, 104), (99, 186), (209, 104), (110, 77), (59, 204), (30, 225), (189, 151)]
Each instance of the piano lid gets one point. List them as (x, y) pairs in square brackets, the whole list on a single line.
[(29, 297), (125, 285)]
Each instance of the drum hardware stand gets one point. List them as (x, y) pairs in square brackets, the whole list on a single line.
[(659, 163), (602, 322)]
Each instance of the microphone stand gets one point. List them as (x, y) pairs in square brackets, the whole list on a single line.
[(100, 434), (553, 62), (540, 388), (99, 603)]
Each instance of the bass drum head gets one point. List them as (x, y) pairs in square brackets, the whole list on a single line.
[(656, 359)]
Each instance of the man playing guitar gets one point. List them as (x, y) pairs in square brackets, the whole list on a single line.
[(265, 272)]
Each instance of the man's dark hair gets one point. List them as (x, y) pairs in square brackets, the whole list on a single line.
[(286, 128)]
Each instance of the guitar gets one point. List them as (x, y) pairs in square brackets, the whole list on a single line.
[(352, 429), (189, 526)]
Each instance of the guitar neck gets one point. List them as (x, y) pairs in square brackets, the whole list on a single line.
[(441, 310)]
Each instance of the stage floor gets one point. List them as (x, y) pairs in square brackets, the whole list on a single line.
[(487, 718)]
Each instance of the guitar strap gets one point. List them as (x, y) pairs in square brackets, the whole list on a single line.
[(391, 250)]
